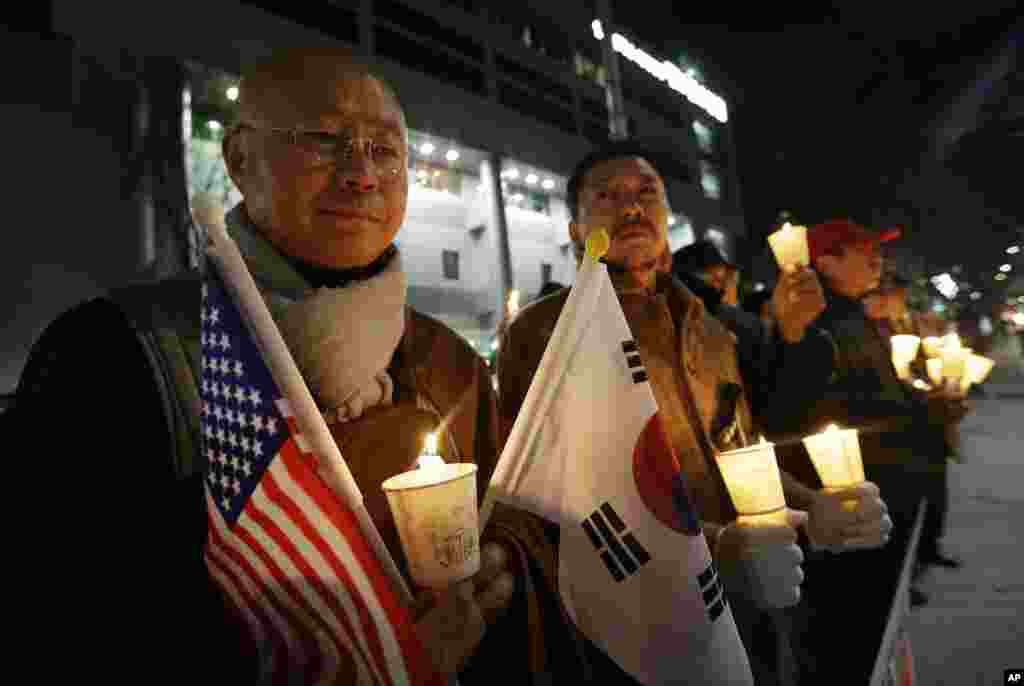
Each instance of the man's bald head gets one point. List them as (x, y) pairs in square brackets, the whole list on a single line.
[(296, 108), (298, 85)]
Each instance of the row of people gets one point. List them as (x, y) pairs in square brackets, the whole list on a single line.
[(320, 156)]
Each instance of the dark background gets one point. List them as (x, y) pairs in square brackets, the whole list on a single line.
[(878, 111)]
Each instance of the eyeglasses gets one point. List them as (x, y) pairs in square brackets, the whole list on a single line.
[(325, 149)]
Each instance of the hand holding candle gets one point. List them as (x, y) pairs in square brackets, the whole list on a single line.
[(848, 513), (758, 551)]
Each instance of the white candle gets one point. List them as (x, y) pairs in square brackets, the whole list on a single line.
[(904, 351), (435, 511), (836, 457), (752, 478), (789, 244)]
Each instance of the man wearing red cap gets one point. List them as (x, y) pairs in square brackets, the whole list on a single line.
[(899, 429)]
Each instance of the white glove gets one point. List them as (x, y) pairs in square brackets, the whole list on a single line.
[(853, 518), (762, 562)]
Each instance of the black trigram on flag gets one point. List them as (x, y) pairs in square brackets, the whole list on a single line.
[(714, 594), (611, 546), (634, 362)]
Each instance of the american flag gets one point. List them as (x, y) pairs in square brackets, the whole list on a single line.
[(282, 546)]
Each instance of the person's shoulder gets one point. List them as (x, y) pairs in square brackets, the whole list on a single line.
[(430, 334), (541, 313)]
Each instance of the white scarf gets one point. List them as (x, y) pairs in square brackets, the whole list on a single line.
[(344, 338)]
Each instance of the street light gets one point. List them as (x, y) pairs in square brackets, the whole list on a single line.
[(427, 148), (1013, 250), (1005, 268)]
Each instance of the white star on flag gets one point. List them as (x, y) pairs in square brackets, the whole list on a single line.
[(225, 481), (232, 440), (221, 435), (222, 457), (225, 344), (257, 422), (225, 366), (206, 409), (205, 317), (245, 443), (214, 315), (246, 468), (209, 432), (254, 397), (237, 486), (257, 449), (240, 395), (211, 455), (271, 426), (218, 413), (238, 368)]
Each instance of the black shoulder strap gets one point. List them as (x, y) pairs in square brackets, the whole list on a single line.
[(165, 316)]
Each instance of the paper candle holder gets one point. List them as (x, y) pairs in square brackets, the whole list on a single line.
[(789, 245), (904, 352), (435, 511), (836, 456), (752, 479)]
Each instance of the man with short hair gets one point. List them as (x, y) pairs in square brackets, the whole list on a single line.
[(691, 361), (320, 155)]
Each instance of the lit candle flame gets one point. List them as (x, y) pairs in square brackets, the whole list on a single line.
[(513, 302), (430, 444), (429, 461)]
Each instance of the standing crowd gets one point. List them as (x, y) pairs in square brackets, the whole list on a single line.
[(320, 156)]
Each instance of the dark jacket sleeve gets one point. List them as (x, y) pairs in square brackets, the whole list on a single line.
[(784, 379), (119, 538)]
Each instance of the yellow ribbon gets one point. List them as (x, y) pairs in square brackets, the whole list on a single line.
[(598, 244)]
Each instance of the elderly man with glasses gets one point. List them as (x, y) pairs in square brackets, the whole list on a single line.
[(320, 157)]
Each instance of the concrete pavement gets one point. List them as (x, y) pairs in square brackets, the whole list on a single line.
[(973, 628)]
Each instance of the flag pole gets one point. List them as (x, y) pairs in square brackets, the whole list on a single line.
[(223, 249)]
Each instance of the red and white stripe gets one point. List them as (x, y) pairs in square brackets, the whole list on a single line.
[(296, 565)]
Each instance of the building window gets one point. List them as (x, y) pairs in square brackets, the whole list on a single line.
[(436, 177), (545, 273), (705, 137), (709, 180), (450, 263)]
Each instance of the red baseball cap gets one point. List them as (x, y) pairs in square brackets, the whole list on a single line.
[(825, 238)]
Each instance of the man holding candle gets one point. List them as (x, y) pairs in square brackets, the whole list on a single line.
[(320, 156), (887, 307), (899, 428), (691, 361)]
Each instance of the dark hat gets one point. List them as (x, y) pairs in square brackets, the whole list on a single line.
[(826, 238), (699, 256)]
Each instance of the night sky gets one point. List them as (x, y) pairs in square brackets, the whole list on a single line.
[(831, 105)]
